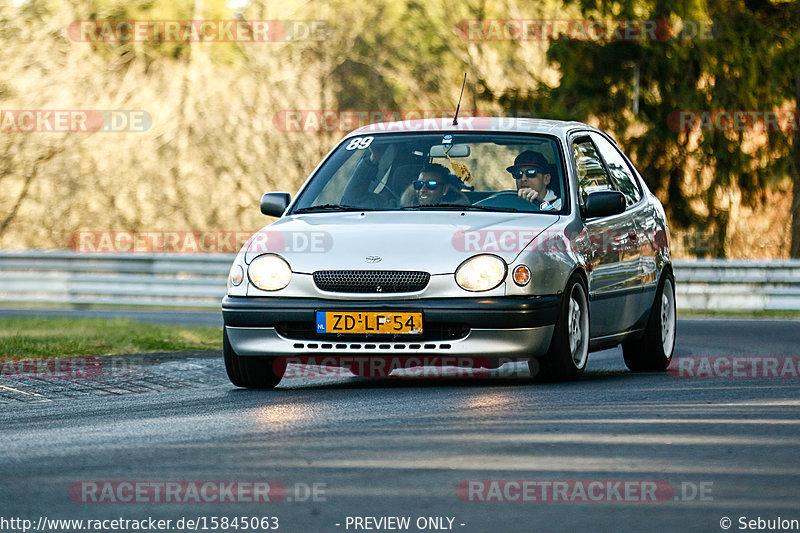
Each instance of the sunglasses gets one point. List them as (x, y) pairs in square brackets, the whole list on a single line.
[(518, 173), (432, 185)]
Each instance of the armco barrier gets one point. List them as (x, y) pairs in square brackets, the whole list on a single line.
[(180, 280), (198, 280), (718, 284)]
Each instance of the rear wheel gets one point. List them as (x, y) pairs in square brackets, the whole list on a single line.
[(653, 352), (250, 372), (569, 350)]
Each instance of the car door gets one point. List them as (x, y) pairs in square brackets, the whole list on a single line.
[(613, 269), (640, 248)]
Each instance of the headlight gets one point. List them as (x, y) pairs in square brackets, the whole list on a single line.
[(481, 273), (269, 272)]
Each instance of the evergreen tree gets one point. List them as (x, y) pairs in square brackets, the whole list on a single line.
[(730, 55)]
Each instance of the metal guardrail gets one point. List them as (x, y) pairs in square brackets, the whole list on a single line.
[(185, 280), (718, 284), (198, 280)]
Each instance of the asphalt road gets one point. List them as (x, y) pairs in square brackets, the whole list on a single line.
[(715, 448)]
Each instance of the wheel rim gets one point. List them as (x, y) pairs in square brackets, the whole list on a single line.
[(667, 318), (578, 326)]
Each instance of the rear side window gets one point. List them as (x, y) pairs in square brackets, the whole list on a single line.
[(621, 173), (592, 176)]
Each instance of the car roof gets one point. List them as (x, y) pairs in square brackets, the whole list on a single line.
[(475, 124)]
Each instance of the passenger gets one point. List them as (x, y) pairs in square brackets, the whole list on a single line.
[(434, 186), (532, 173)]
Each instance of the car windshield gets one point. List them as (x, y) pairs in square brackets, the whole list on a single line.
[(439, 171)]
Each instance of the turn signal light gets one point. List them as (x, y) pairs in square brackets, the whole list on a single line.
[(522, 275)]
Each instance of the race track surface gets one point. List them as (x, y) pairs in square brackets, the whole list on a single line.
[(714, 447)]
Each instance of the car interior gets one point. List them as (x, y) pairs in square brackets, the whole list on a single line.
[(408, 162)]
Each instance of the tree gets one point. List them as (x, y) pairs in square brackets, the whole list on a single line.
[(749, 53), (782, 21)]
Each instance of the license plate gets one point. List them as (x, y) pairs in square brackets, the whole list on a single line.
[(369, 322)]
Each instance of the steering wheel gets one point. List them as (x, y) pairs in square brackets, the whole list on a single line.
[(394, 194), (508, 199)]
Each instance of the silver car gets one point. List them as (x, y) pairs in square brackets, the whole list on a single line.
[(474, 244)]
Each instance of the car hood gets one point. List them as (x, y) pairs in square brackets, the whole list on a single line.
[(436, 242)]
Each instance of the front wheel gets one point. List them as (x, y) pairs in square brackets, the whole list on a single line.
[(569, 349), (653, 352), (250, 372)]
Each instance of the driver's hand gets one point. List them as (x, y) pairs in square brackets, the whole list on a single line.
[(528, 194)]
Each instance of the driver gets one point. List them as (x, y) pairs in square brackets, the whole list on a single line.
[(367, 174), (532, 173)]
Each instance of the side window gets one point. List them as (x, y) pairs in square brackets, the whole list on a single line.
[(592, 176), (620, 172)]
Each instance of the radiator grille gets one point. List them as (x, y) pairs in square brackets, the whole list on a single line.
[(371, 281)]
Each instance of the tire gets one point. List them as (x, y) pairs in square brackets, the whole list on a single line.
[(653, 352), (250, 372), (569, 349)]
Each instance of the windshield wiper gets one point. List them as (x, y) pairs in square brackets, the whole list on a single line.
[(330, 207), (460, 207)]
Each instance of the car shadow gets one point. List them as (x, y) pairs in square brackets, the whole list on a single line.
[(476, 379)]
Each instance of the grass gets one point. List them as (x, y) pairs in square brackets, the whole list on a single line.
[(62, 337)]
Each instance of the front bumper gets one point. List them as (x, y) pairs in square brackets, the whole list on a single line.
[(488, 327)]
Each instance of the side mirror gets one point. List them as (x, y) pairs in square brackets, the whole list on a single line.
[(275, 203), (603, 204)]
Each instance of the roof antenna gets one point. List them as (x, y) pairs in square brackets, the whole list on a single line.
[(455, 117)]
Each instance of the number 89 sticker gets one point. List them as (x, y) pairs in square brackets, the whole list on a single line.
[(359, 143)]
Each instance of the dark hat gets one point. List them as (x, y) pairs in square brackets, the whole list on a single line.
[(529, 158)]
